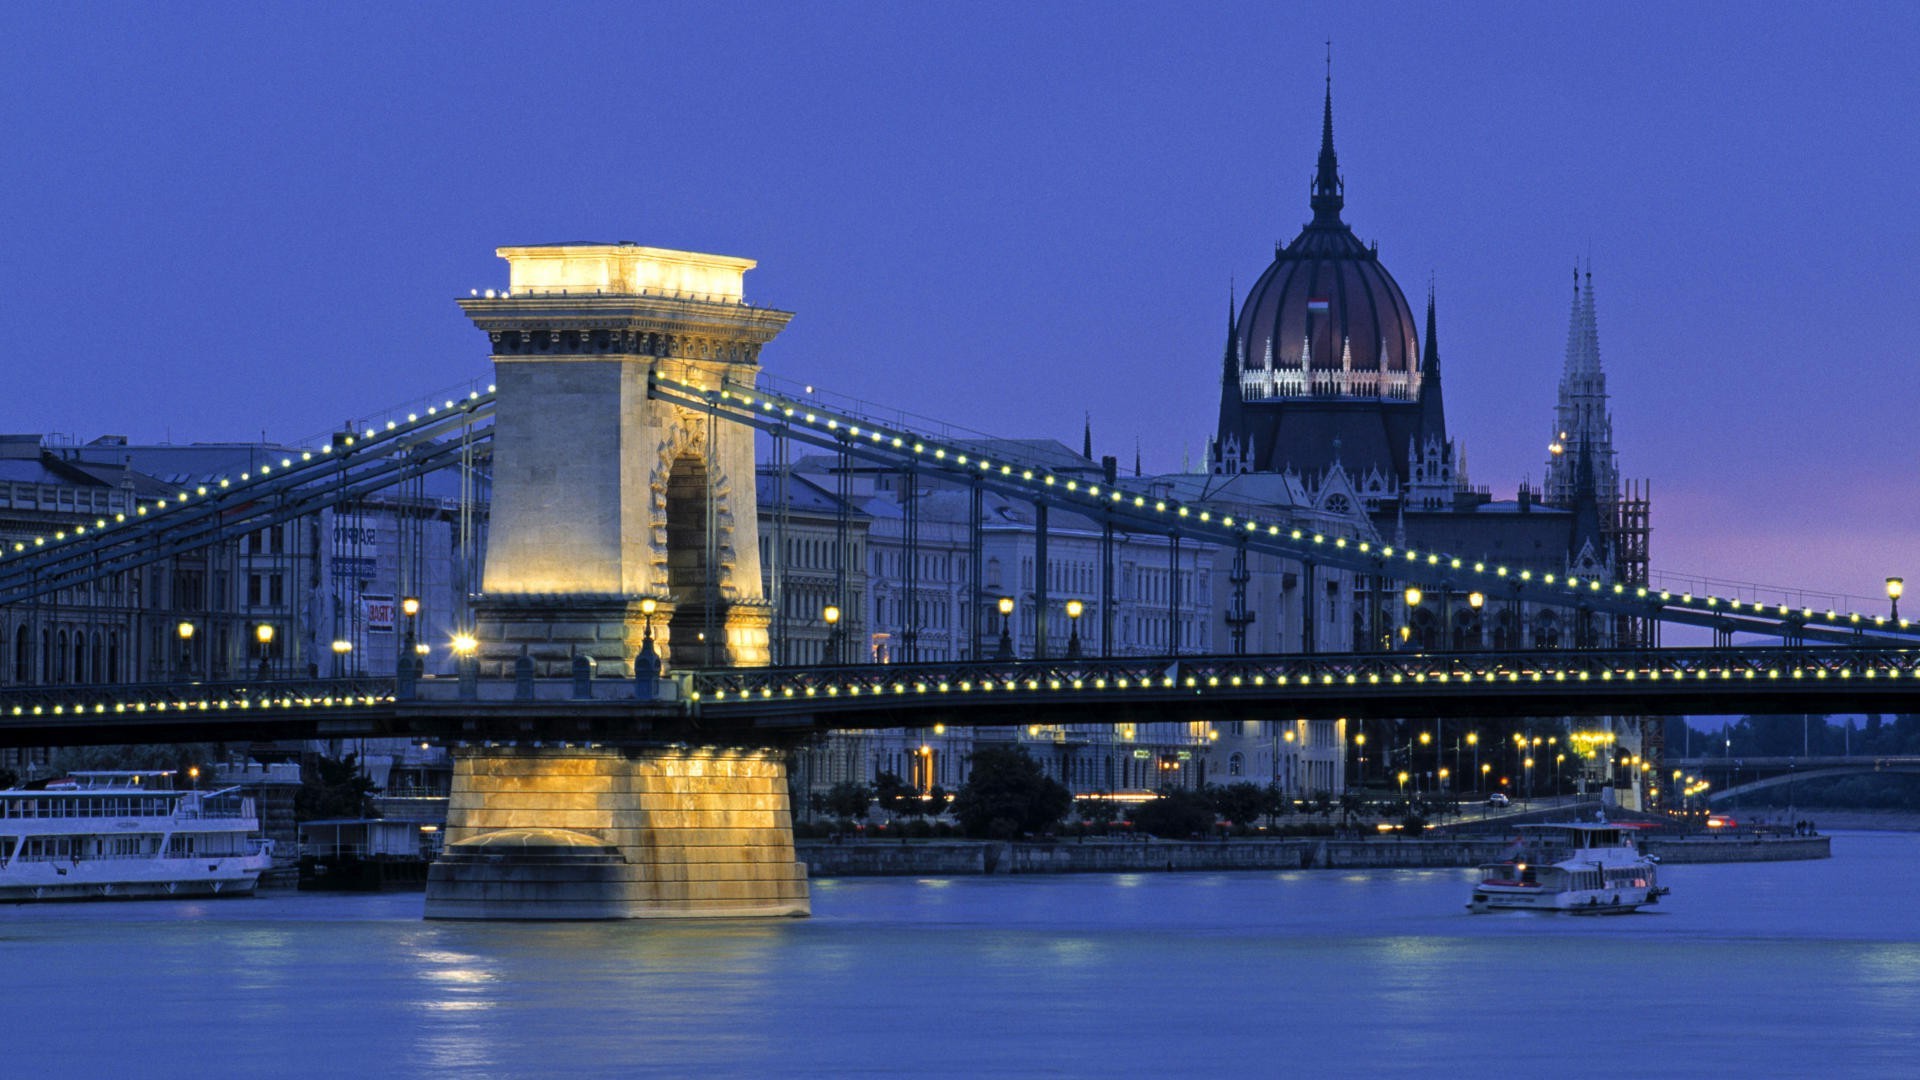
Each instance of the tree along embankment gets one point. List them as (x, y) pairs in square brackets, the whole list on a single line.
[(941, 858)]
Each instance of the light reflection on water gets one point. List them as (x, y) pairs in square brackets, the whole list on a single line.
[(1792, 969)]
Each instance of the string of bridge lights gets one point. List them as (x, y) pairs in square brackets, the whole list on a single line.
[(1153, 684), (230, 484), (854, 429), (203, 705)]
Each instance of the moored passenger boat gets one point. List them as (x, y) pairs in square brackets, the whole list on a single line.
[(127, 834), (1576, 868)]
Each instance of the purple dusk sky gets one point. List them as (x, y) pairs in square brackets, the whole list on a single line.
[(257, 217)]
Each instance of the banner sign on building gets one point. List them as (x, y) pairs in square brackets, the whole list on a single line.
[(377, 613)]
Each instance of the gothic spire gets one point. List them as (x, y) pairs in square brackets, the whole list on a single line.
[(1328, 190), (1430, 356), (1086, 439), (1433, 408), (1230, 366), (1582, 416)]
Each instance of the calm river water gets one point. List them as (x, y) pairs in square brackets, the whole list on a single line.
[(1788, 969)]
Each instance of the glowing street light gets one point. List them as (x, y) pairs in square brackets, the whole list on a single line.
[(1895, 586), (464, 647), (185, 632), (1074, 610), (263, 634), (1006, 636), (647, 664), (831, 613)]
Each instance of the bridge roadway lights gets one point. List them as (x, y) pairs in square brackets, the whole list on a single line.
[(660, 832)]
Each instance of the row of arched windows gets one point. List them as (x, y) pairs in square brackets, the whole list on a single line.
[(66, 656)]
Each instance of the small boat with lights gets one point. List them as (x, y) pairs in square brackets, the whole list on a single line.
[(1579, 869), (127, 834)]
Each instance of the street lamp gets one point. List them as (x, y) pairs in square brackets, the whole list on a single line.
[(264, 635), (410, 607), (1895, 586), (341, 648), (1476, 601), (832, 615), (647, 664), (1412, 596), (185, 630), (464, 646), (1074, 610), (1006, 637), (1360, 765)]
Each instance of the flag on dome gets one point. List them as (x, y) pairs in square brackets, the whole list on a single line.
[(1317, 305)]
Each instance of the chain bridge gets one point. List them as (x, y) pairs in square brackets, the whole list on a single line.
[(617, 708)]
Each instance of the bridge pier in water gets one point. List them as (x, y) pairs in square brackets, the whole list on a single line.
[(665, 832)]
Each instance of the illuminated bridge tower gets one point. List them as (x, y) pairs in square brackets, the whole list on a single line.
[(604, 499)]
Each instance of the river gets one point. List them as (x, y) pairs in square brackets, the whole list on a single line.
[(1775, 969)]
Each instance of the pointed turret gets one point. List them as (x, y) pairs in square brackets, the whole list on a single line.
[(1433, 409), (1230, 363), (1329, 192), (1086, 439)]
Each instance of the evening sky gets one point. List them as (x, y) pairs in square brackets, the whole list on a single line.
[(255, 218)]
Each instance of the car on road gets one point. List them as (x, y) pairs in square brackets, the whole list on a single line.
[(1499, 798)]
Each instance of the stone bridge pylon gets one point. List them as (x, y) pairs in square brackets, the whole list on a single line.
[(602, 497)]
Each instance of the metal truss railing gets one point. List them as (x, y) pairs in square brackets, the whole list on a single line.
[(1001, 470), (300, 484), (1436, 673)]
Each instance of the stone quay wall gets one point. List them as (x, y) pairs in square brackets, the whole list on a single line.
[(1730, 849), (966, 857)]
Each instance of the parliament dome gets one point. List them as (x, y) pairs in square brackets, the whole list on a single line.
[(1326, 319)]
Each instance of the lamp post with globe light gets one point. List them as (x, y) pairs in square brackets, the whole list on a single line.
[(464, 647), (410, 607), (832, 616), (1006, 635), (646, 666), (1895, 586), (263, 634), (1074, 610), (185, 633)]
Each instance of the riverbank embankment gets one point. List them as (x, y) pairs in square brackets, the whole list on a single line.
[(943, 858)]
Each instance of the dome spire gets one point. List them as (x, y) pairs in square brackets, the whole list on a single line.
[(1328, 190)]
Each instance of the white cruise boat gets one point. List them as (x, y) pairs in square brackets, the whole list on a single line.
[(1579, 869), (127, 834)]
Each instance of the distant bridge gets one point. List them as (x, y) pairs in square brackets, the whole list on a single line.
[(1771, 772)]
